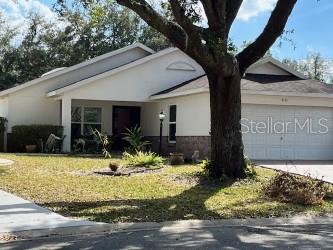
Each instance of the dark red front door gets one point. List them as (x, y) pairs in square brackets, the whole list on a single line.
[(123, 117)]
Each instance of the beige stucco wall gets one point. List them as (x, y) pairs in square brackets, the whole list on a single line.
[(4, 107), (268, 69), (288, 100), (193, 115), (139, 82), (135, 85), (193, 111), (31, 106)]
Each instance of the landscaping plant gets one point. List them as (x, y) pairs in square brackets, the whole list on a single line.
[(297, 189), (142, 159), (135, 139), (103, 141)]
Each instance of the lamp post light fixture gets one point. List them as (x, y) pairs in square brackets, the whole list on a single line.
[(161, 116)]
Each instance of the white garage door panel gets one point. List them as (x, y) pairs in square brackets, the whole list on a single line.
[(289, 145)]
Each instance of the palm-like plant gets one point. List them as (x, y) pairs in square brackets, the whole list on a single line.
[(135, 138)]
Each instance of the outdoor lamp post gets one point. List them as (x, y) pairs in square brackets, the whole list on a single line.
[(162, 117)]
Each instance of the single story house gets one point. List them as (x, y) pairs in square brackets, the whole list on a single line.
[(285, 115)]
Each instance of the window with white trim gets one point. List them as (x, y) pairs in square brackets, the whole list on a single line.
[(172, 123), (84, 120)]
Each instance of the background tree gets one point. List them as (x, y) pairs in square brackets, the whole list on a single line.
[(81, 32), (209, 47), (315, 66), (6, 35)]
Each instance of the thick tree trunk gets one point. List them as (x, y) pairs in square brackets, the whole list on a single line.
[(227, 157)]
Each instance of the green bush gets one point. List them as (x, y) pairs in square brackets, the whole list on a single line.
[(297, 189), (250, 170), (23, 135), (135, 139), (142, 159)]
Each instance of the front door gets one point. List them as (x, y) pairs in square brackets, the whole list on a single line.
[(123, 117)]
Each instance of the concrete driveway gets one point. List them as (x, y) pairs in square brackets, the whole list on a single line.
[(322, 170)]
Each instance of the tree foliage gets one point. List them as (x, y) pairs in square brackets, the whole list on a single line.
[(314, 66), (81, 32)]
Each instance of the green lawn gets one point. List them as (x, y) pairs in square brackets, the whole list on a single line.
[(67, 185)]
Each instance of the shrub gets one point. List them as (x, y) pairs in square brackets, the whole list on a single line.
[(205, 164), (142, 159), (102, 140), (297, 189), (23, 135), (135, 139), (250, 170)]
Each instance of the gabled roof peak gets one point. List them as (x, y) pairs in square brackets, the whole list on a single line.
[(277, 63)]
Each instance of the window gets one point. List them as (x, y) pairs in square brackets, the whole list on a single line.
[(84, 120), (172, 123), (92, 120)]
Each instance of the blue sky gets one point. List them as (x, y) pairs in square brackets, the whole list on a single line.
[(312, 22)]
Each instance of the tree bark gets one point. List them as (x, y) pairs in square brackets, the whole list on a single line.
[(227, 157)]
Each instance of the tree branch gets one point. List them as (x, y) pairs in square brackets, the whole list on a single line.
[(214, 10), (273, 29), (181, 18), (171, 30), (232, 9)]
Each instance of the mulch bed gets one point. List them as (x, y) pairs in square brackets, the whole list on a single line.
[(124, 171)]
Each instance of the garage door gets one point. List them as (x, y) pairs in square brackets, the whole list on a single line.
[(273, 132)]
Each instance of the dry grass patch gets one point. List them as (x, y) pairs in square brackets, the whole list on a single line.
[(297, 189)]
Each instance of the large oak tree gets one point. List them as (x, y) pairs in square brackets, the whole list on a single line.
[(209, 47)]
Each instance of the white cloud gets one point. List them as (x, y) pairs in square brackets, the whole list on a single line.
[(253, 8), (248, 10), (16, 12)]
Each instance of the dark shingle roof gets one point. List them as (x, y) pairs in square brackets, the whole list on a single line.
[(261, 83)]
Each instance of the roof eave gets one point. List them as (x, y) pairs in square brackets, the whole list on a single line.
[(244, 92), (181, 93)]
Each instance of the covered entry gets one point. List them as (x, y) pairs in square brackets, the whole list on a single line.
[(123, 117), (109, 117)]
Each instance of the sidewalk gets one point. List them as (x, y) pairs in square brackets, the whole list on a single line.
[(17, 214)]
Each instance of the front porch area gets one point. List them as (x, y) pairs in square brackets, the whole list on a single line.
[(80, 117)]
